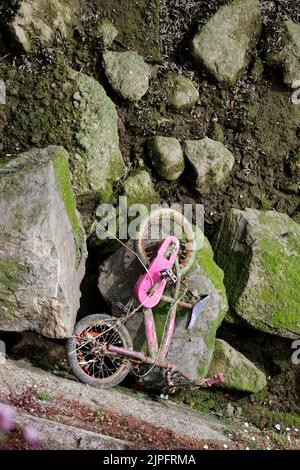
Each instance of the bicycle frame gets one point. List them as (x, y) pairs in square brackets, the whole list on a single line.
[(157, 354)]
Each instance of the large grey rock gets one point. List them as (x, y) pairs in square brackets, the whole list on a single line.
[(240, 373), (37, 20), (191, 349), (289, 57), (2, 92), (182, 93), (42, 245), (259, 253), (98, 163), (139, 189), (127, 73), (167, 157), (223, 44), (209, 164)]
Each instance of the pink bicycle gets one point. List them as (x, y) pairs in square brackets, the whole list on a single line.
[(100, 352)]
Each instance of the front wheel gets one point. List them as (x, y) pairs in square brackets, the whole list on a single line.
[(87, 351)]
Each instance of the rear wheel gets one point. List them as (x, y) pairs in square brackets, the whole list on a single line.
[(87, 351)]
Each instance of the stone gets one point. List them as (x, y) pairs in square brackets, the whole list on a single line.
[(2, 92), (240, 373), (209, 164), (127, 73), (191, 350), (43, 22), (182, 93), (167, 157), (106, 32), (288, 59), (42, 245), (259, 253), (223, 45), (99, 163), (139, 189), (217, 131)]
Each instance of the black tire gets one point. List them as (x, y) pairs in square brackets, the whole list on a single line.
[(120, 335), (181, 222)]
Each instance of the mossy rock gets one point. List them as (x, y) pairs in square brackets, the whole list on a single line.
[(181, 92), (105, 32), (98, 161), (223, 45), (240, 373), (37, 20), (139, 189), (259, 253), (167, 157), (127, 73), (209, 164), (43, 249)]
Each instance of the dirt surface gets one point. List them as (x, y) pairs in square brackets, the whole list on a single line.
[(259, 122)]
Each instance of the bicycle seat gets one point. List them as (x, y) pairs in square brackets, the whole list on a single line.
[(151, 285)]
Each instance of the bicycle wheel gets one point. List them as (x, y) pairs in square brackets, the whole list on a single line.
[(87, 351), (159, 224)]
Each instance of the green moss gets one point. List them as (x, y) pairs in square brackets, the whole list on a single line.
[(61, 168), (265, 418), (39, 109), (282, 278), (270, 299), (205, 259), (199, 400)]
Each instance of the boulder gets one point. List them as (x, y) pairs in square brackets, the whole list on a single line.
[(98, 163), (2, 92), (240, 373), (139, 189), (127, 73), (288, 59), (191, 350), (182, 93), (106, 32), (223, 45), (37, 20), (167, 157), (259, 253), (42, 245), (209, 164)]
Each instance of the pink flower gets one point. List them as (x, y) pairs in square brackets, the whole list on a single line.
[(7, 418), (31, 436)]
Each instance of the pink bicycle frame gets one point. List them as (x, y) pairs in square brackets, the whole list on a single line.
[(157, 355)]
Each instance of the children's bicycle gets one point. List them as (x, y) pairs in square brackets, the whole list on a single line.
[(100, 352)]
